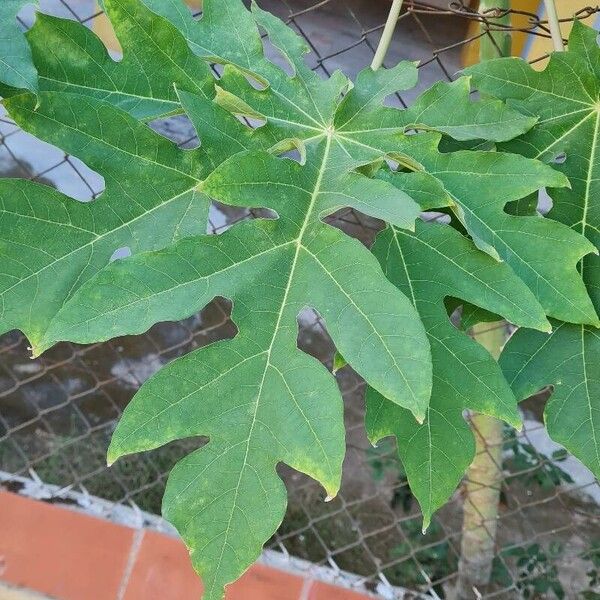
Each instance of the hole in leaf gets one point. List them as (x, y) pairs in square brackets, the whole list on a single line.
[(222, 216), (533, 407), (31, 158), (257, 84), (177, 129), (293, 149), (217, 69), (545, 202), (355, 224), (252, 122), (293, 155), (393, 165), (214, 322), (236, 106), (10, 168), (313, 337), (277, 57), (394, 101), (120, 253), (436, 217), (464, 315), (454, 309)]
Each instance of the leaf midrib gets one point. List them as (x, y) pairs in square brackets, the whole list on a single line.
[(298, 241), (586, 200), (112, 92)]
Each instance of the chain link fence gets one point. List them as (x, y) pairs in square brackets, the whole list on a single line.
[(57, 412)]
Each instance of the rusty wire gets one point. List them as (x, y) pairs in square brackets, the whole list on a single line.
[(57, 412)]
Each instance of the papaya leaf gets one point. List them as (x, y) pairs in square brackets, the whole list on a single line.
[(282, 403), (257, 398), (156, 60), (568, 360), (226, 499), (50, 244), (366, 131), (429, 265), (16, 65), (566, 98)]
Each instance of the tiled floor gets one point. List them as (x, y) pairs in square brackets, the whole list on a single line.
[(64, 554)]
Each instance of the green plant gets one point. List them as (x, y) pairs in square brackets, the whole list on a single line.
[(565, 98), (536, 573), (257, 398), (528, 465), (431, 557), (592, 554)]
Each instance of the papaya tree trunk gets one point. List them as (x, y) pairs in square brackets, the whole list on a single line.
[(484, 477)]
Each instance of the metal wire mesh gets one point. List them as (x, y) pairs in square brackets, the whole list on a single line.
[(57, 412)]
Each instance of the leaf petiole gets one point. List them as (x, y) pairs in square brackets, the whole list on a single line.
[(386, 36), (554, 24)]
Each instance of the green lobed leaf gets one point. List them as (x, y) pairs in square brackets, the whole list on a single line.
[(566, 99), (156, 60), (366, 131), (50, 244), (398, 365), (258, 399), (568, 359), (431, 264), (16, 65), (262, 400)]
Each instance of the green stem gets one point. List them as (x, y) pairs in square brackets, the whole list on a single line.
[(386, 36), (554, 24), (495, 43)]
